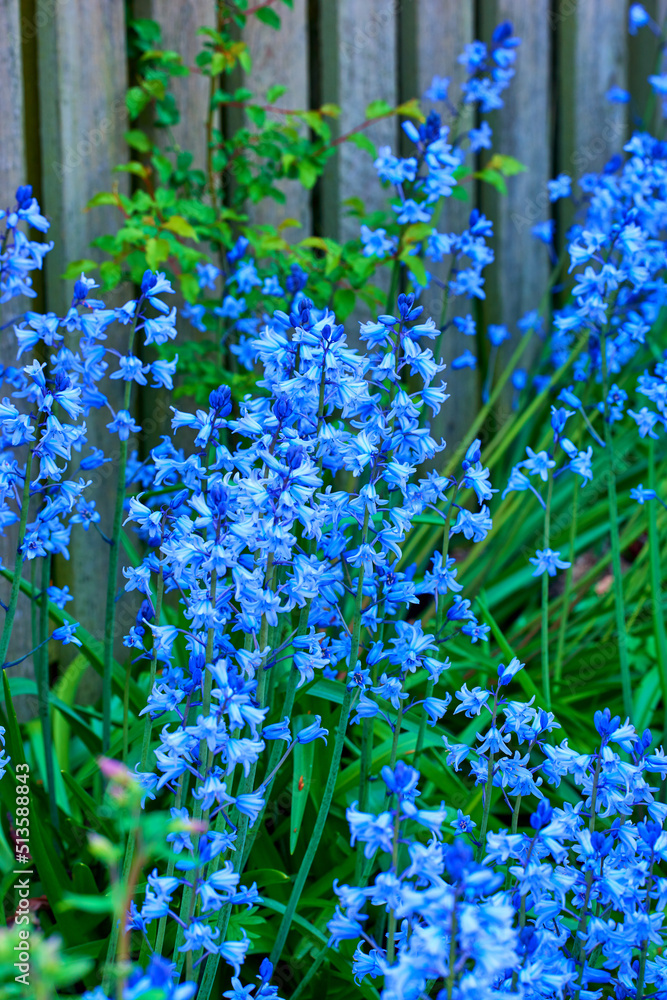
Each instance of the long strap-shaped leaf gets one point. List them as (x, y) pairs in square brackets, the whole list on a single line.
[(94, 648)]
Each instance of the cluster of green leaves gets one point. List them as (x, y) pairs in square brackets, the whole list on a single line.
[(178, 213)]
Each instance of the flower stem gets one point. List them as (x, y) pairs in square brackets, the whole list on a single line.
[(18, 565), (619, 601), (560, 649), (656, 594), (439, 622), (487, 808), (546, 680), (148, 724), (332, 777), (114, 555), (41, 661)]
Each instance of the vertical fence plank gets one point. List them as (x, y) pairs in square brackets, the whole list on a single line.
[(593, 56), (83, 80), (442, 29), (179, 22), (282, 57), (522, 129), (12, 168), (367, 72)]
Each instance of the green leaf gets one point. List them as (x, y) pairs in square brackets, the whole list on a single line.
[(136, 100), (268, 16), (266, 876), (111, 273), (376, 109), (494, 178), (256, 115), (177, 224), (88, 805), (460, 193), (411, 109), (302, 761), (138, 140), (93, 647), (133, 167), (157, 250), (273, 93), (329, 690), (85, 903), (416, 265), (65, 690), (508, 166), (308, 173), (189, 286), (73, 271), (13, 740), (103, 198), (83, 880), (362, 141), (417, 231), (343, 302), (355, 205)]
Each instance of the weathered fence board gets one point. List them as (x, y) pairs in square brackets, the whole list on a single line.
[(13, 172), (522, 129), (367, 49), (593, 57), (442, 30), (282, 58), (179, 23), (348, 52), (83, 116)]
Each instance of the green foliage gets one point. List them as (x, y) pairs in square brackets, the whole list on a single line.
[(179, 213)]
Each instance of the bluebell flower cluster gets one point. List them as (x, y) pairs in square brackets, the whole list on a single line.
[(43, 434), (241, 293), (19, 256), (256, 531), (568, 902), (274, 526)]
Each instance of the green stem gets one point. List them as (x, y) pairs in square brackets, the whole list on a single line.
[(162, 925), (560, 649), (487, 806), (114, 557), (393, 287), (318, 830), (323, 813), (419, 544), (188, 898), (656, 592), (247, 835), (251, 836), (619, 602), (397, 732), (18, 565), (148, 723), (41, 662), (583, 920), (439, 622), (546, 680), (391, 930), (452, 954), (319, 958)]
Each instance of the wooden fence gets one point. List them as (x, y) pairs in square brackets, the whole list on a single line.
[(63, 77)]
